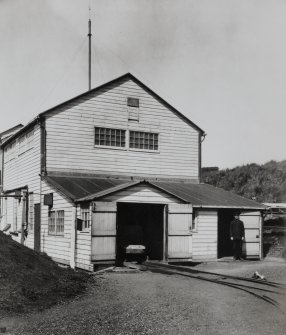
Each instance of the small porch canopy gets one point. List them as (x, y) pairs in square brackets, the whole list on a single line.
[(86, 189)]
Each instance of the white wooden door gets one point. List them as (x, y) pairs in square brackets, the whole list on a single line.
[(252, 242), (103, 231), (179, 231)]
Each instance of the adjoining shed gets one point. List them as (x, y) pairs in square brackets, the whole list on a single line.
[(178, 221)]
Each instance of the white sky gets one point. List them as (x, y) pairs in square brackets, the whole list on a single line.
[(222, 63)]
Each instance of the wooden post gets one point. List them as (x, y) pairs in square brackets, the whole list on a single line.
[(24, 215), (261, 236), (165, 232), (73, 237)]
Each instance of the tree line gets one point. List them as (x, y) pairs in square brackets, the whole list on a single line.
[(263, 183)]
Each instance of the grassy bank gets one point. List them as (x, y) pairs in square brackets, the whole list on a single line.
[(30, 280)]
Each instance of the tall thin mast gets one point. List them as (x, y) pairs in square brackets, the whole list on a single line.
[(89, 52)]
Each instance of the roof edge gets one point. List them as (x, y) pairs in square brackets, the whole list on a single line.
[(229, 207), (111, 190), (58, 188), (126, 75)]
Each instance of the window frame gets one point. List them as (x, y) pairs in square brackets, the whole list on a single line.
[(114, 147), (58, 222), (85, 209), (140, 134)]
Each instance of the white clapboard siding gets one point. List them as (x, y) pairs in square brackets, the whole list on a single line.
[(205, 237), (179, 231), (70, 136), (142, 194), (22, 170), (252, 224), (56, 246)]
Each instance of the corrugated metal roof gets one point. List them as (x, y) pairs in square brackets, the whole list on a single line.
[(204, 195), (81, 189), (78, 187)]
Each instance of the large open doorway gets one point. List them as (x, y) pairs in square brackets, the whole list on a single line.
[(225, 246), (140, 224)]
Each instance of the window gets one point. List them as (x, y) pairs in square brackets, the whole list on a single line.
[(133, 109), (143, 140), (31, 212), (195, 220), (109, 137), (85, 216), (56, 222)]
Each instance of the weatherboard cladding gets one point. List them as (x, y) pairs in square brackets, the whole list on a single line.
[(71, 137), (80, 189), (94, 90)]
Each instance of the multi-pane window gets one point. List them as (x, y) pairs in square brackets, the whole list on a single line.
[(143, 140), (31, 212), (109, 137), (56, 222), (85, 216)]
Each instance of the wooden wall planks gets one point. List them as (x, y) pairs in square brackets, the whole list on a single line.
[(70, 136)]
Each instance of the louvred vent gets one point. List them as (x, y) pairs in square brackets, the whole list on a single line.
[(133, 102)]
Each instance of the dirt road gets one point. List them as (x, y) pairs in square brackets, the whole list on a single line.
[(154, 303)]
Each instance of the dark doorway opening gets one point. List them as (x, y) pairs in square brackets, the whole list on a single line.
[(140, 224), (225, 246)]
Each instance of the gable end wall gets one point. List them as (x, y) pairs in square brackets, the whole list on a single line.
[(70, 136)]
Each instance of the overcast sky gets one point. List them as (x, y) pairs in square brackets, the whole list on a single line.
[(222, 63)]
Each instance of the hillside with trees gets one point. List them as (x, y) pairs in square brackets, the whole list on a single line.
[(264, 183)]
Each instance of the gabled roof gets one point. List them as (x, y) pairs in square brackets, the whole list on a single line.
[(114, 81), (85, 189)]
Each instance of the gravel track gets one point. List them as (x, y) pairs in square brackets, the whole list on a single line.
[(154, 303)]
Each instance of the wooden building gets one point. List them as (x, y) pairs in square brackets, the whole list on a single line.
[(116, 157), (4, 136)]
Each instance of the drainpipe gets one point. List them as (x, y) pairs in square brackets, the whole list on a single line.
[(24, 216), (73, 237), (42, 122), (201, 139)]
